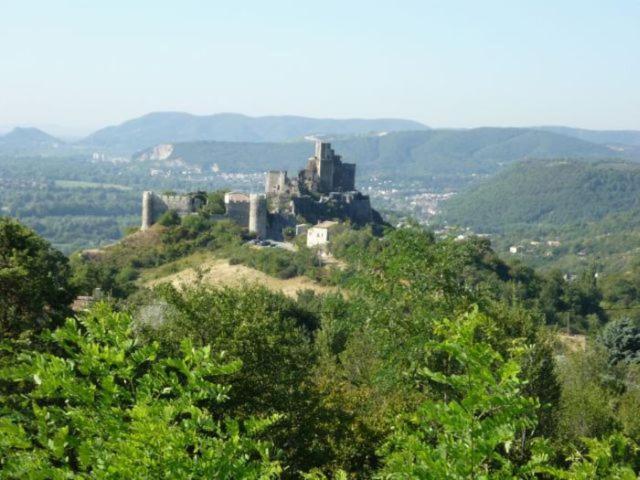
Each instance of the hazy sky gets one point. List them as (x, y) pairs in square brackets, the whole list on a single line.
[(86, 64)]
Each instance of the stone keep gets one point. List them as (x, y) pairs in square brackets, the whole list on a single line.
[(326, 173)]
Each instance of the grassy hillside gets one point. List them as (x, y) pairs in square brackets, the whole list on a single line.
[(412, 154)]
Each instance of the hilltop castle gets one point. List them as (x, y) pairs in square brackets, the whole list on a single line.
[(325, 173), (324, 190)]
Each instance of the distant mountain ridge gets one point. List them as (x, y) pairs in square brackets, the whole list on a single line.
[(604, 137), (169, 127), (410, 154), (377, 144)]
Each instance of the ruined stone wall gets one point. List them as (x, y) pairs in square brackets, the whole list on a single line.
[(154, 205), (358, 208), (351, 206), (182, 204), (277, 222), (237, 208)]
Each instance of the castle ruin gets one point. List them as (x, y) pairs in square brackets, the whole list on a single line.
[(323, 190), (249, 211), (154, 205)]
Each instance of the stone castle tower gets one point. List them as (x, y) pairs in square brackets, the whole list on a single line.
[(326, 173), (147, 210), (258, 215)]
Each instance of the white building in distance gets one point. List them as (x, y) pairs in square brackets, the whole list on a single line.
[(320, 234)]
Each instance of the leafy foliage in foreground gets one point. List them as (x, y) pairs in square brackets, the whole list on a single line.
[(437, 363), (34, 281), (469, 428), (105, 406)]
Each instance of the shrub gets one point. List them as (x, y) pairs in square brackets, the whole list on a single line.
[(169, 218)]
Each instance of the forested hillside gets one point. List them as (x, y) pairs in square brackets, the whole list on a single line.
[(560, 192), (557, 213), (166, 127), (605, 137), (458, 154), (430, 359)]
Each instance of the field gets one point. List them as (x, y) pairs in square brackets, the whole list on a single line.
[(81, 184)]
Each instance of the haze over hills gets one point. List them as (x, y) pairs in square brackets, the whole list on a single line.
[(605, 137), (378, 144), (162, 127), (411, 154), (28, 140)]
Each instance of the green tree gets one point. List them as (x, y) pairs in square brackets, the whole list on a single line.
[(106, 406), (468, 428), (215, 203), (589, 391), (34, 287), (272, 336), (170, 218), (621, 337)]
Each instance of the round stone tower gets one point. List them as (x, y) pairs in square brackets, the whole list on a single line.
[(147, 210), (258, 215)]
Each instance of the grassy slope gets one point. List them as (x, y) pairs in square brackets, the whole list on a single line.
[(212, 270)]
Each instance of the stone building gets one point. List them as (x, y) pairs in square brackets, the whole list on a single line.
[(278, 183), (324, 190)]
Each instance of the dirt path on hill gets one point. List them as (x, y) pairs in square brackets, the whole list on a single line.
[(219, 272)]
